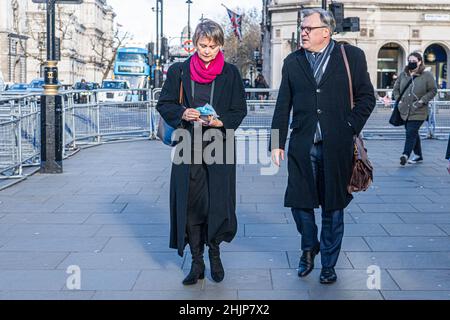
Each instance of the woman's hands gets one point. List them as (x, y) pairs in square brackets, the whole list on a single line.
[(215, 123), (191, 114)]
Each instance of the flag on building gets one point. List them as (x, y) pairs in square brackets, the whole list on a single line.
[(236, 22)]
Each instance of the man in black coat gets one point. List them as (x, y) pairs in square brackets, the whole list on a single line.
[(315, 87)]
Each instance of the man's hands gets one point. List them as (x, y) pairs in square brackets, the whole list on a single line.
[(276, 155)]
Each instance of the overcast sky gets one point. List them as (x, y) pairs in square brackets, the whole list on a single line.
[(137, 16)]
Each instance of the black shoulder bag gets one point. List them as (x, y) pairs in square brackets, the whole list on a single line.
[(395, 119)]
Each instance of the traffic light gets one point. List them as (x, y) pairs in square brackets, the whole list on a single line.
[(337, 9), (151, 53), (164, 50), (351, 24)]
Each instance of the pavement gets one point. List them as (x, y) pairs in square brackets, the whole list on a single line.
[(100, 231)]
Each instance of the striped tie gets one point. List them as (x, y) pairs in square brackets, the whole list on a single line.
[(317, 66)]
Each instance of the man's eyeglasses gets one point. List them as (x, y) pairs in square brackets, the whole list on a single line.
[(309, 29)]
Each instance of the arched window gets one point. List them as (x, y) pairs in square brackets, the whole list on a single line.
[(390, 64), (435, 56)]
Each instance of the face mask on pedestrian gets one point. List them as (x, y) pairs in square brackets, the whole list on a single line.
[(412, 65)]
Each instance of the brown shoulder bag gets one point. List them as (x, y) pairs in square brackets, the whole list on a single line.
[(362, 174)]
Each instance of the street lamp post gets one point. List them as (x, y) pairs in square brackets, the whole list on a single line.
[(157, 28), (162, 20), (189, 2), (51, 105), (158, 68)]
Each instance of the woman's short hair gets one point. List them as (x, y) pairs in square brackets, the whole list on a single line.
[(211, 30), (326, 17), (417, 55)]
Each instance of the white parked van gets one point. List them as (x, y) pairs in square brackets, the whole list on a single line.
[(114, 90)]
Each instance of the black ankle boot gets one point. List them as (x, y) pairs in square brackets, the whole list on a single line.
[(197, 272), (197, 247), (217, 271)]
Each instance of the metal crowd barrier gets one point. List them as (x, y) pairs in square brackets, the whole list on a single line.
[(95, 120), (87, 118), (437, 125), (19, 134), (95, 117), (260, 113)]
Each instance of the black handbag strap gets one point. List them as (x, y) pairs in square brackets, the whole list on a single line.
[(404, 90), (211, 99), (181, 97)]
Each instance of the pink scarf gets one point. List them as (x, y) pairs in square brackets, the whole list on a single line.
[(203, 75)]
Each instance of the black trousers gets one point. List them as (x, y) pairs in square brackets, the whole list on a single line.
[(332, 221), (198, 201), (412, 141)]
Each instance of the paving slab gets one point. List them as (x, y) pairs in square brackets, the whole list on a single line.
[(122, 261), (422, 279), (348, 279), (408, 243), (400, 260)]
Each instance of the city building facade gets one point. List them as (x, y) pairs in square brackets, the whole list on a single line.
[(389, 31), (80, 29)]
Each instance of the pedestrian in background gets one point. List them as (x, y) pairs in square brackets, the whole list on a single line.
[(203, 196), (261, 83), (419, 87)]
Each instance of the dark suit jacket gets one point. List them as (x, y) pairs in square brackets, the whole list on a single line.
[(329, 103)]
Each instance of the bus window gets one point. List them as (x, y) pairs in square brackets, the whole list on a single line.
[(131, 57)]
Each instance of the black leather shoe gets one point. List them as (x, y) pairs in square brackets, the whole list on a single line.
[(306, 264), (328, 276)]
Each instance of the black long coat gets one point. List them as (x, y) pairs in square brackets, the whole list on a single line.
[(328, 103), (230, 105)]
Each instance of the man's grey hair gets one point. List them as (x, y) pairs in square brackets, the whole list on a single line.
[(211, 30), (326, 17)]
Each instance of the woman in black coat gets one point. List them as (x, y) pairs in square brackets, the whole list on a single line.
[(203, 194)]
